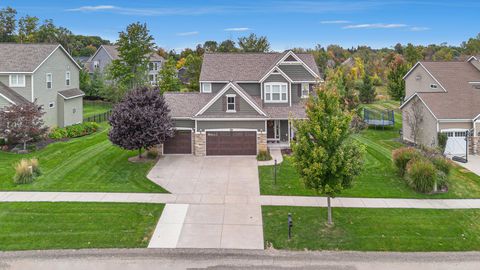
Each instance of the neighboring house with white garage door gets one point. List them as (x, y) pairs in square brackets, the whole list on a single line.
[(246, 102), (447, 95), (45, 73)]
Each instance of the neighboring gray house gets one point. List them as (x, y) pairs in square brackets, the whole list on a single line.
[(107, 53), (447, 96), (245, 103), (45, 73)]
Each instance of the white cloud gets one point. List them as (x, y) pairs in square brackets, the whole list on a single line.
[(335, 22), (93, 8), (237, 29), (419, 28), (184, 34), (375, 26)]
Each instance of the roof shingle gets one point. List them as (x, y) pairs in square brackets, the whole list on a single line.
[(23, 57), (12, 95)]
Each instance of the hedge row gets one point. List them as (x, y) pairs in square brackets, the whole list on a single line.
[(74, 131)]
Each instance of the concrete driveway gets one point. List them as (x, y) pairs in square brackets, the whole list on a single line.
[(473, 164), (222, 214)]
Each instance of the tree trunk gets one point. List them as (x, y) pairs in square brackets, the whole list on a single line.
[(24, 145), (329, 211)]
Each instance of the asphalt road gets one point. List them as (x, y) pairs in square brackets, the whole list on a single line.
[(234, 259)]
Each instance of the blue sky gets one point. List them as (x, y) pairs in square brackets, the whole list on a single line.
[(303, 23)]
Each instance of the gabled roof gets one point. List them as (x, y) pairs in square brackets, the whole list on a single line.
[(11, 96), (246, 66), (26, 58), (240, 91), (71, 93), (461, 100), (186, 104), (112, 51)]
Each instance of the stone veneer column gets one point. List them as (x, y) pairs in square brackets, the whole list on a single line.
[(160, 149), (261, 141), (473, 145), (200, 141)]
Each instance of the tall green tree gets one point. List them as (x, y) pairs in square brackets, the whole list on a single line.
[(210, 46), (367, 90), (326, 158), (252, 43), (47, 32), (227, 46), (135, 46), (193, 64), (27, 28), (413, 54), (167, 79), (395, 83), (472, 46), (8, 24)]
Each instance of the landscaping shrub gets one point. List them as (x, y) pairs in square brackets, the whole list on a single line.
[(57, 133), (74, 131), (24, 172), (421, 175), (442, 164), (442, 181), (35, 167), (264, 155), (152, 153), (2, 142), (402, 156), (442, 141)]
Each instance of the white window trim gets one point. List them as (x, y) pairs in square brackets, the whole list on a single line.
[(234, 103), (433, 86), (51, 103), (67, 78), (308, 90), (271, 84), (51, 80), (10, 81), (203, 88)]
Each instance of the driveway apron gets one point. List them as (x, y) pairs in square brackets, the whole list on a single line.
[(222, 215)]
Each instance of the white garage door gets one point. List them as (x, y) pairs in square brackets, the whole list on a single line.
[(456, 144)]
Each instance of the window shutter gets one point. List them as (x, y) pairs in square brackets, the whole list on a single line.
[(237, 104), (224, 104)]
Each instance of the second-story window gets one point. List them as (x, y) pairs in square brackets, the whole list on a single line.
[(150, 66), (67, 78), (49, 80), (17, 80), (206, 87), (96, 64), (275, 93), (433, 86), (231, 103), (305, 90)]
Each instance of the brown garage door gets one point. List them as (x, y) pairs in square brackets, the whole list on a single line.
[(180, 144), (221, 143)]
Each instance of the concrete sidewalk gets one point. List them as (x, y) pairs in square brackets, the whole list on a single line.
[(238, 200)]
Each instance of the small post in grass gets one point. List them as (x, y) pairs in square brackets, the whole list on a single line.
[(275, 172), (290, 225)]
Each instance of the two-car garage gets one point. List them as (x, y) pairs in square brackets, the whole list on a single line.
[(217, 143)]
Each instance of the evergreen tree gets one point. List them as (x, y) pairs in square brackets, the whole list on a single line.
[(395, 84), (367, 90)]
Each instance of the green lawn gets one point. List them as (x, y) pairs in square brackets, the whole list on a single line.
[(373, 229), (91, 108), (378, 179), (89, 163), (27, 226)]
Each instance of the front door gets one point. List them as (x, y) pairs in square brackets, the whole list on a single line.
[(273, 130)]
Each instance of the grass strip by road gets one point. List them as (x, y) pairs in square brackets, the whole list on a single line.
[(28, 226), (373, 229), (89, 163)]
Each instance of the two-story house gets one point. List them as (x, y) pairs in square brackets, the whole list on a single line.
[(107, 53), (443, 97), (245, 103), (44, 73)]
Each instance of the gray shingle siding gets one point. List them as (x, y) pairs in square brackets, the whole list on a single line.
[(243, 109), (25, 92), (252, 89), (184, 123), (297, 73), (4, 103), (258, 125), (275, 78)]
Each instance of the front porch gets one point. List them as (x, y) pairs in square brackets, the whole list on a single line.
[(279, 134)]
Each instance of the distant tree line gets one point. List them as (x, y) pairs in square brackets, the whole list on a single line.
[(29, 29)]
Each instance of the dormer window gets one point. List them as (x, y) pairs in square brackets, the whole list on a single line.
[(206, 87), (231, 103), (433, 86), (17, 80)]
